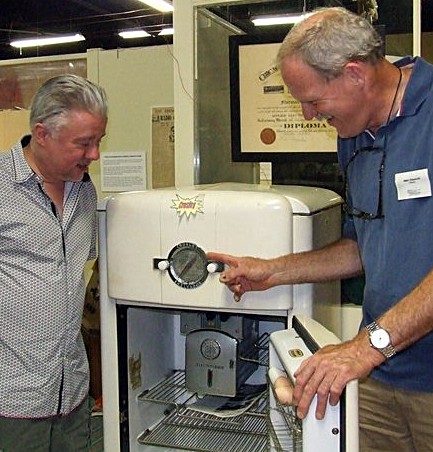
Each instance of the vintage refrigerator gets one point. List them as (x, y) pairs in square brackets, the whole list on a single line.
[(181, 361)]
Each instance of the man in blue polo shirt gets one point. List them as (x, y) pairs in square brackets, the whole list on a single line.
[(333, 65)]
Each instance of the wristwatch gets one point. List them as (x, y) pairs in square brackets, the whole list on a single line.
[(380, 340)]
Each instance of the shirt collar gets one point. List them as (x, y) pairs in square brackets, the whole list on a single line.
[(416, 89), (23, 172), (418, 86)]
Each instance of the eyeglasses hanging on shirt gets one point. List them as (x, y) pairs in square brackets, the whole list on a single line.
[(366, 157)]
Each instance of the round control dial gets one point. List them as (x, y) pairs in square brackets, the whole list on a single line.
[(188, 265)]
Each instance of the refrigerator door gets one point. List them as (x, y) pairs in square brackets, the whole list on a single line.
[(338, 431)]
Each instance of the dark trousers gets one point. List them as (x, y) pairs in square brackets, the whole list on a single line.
[(69, 433)]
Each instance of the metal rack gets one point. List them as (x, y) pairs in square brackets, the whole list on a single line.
[(185, 428), (171, 391), (201, 432), (188, 429), (284, 428), (260, 351)]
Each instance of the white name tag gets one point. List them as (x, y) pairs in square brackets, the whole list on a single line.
[(413, 184)]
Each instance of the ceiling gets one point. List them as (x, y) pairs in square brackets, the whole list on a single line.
[(98, 20), (101, 20)]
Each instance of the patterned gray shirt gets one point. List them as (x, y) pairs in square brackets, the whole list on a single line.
[(43, 364)]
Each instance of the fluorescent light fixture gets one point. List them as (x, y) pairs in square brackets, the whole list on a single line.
[(161, 5), (46, 41), (131, 34), (166, 32), (263, 21)]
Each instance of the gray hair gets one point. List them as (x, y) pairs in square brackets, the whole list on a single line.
[(330, 38), (58, 96)]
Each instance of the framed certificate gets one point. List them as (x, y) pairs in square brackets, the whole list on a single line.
[(267, 123)]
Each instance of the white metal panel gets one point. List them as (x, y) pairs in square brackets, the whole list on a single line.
[(308, 200), (109, 355), (237, 219), (320, 301), (254, 223), (304, 200), (145, 225), (133, 238)]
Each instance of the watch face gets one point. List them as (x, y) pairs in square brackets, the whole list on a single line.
[(380, 339)]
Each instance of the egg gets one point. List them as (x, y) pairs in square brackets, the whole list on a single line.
[(283, 388)]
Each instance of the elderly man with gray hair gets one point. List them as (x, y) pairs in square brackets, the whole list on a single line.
[(333, 64)]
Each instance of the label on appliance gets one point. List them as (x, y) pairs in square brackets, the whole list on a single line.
[(188, 206)]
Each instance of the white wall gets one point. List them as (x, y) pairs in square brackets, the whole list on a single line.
[(135, 80)]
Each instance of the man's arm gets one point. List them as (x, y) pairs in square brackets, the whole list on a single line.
[(327, 372), (337, 260)]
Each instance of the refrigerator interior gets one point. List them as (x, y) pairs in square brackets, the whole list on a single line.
[(161, 410)]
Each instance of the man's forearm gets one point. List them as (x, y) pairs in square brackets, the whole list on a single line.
[(338, 260), (412, 317)]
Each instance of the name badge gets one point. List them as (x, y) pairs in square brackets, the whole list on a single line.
[(413, 184)]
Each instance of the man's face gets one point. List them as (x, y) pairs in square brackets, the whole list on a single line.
[(338, 101), (65, 155)]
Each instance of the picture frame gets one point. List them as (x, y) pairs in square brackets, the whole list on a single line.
[(267, 124)]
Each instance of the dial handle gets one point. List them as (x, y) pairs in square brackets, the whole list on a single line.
[(163, 265), (215, 267)]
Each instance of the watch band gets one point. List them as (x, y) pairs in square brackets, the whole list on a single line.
[(389, 350)]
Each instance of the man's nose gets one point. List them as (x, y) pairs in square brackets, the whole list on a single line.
[(93, 152), (309, 111)]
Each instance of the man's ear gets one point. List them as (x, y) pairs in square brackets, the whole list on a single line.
[(40, 133), (355, 73)]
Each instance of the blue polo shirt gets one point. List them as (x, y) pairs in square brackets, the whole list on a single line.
[(396, 250)]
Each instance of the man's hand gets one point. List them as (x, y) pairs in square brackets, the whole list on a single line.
[(328, 371), (244, 273)]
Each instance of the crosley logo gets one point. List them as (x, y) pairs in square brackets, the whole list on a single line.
[(187, 206)]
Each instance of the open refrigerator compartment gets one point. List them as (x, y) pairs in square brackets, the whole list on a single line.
[(172, 390), (188, 429), (262, 428)]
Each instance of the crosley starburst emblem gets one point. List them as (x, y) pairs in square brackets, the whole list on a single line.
[(187, 206)]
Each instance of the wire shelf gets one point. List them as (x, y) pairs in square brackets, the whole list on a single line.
[(190, 430), (260, 350), (172, 390), (187, 429)]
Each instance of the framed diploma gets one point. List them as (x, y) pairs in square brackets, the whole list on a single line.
[(266, 121)]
